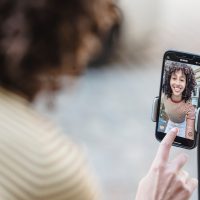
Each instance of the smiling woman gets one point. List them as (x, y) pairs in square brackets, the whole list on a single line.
[(179, 83)]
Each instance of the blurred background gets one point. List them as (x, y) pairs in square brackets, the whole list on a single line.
[(108, 109)]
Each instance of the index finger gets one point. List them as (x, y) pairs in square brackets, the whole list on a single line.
[(165, 146)]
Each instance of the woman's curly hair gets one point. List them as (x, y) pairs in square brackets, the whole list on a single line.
[(43, 39), (190, 80)]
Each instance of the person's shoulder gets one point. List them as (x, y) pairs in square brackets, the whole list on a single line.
[(20, 120), (190, 109), (189, 105), (48, 152)]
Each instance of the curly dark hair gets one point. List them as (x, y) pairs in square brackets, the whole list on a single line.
[(190, 79), (43, 39)]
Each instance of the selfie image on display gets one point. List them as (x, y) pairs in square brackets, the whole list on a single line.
[(179, 98)]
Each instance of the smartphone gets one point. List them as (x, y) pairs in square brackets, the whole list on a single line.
[(178, 100)]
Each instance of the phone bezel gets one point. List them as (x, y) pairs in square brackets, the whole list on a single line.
[(193, 59)]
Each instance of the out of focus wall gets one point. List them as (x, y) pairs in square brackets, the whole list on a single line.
[(151, 26), (140, 22)]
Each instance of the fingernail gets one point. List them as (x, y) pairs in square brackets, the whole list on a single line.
[(175, 130)]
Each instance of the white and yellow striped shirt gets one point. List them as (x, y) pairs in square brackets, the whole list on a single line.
[(38, 161)]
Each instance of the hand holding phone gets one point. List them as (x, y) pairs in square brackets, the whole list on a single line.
[(179, 97)]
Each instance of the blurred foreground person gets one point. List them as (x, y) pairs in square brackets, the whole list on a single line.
[(40, 41)]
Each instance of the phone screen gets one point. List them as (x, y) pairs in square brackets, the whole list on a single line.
[(179, 97)]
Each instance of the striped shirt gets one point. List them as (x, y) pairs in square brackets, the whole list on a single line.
[(38, 161)]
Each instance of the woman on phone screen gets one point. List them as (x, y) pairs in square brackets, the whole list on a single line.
[(179, 83)]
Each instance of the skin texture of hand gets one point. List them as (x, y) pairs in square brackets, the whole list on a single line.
[(165, 180)]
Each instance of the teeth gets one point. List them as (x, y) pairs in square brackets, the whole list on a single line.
[(177, 89)]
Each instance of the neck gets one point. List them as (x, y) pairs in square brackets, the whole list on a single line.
[(176, 98)]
